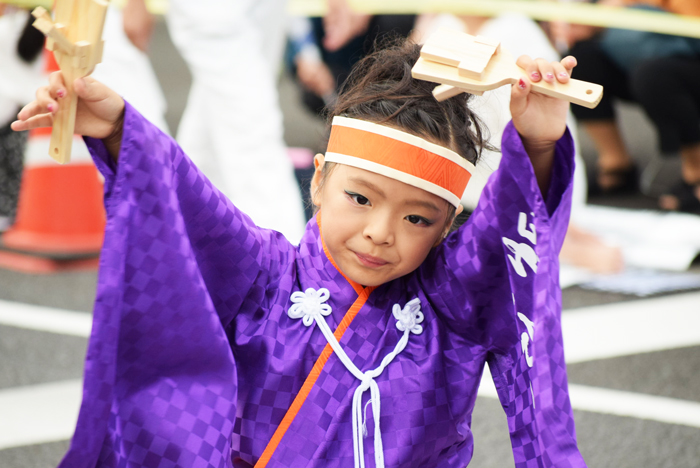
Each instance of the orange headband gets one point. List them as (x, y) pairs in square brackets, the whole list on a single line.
[(399, 155)]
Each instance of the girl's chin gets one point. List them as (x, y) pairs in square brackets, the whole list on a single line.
[(368, 276)]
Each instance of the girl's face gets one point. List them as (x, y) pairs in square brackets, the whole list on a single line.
[(377, 229)]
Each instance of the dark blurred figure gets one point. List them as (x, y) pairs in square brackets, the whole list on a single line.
[(323, 50), (659, 72), (20, 46)]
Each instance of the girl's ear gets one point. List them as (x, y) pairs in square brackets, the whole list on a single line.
[(319, 161), (448, 225)]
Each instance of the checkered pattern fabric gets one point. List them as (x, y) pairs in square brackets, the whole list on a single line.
[(193, 361)]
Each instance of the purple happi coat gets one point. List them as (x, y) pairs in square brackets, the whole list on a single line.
[(194, 359)]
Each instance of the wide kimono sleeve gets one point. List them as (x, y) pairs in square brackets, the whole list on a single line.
[(179, 261), (499, 289)]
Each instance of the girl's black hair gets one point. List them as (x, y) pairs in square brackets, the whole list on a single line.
[(31, 42), (380, 89)]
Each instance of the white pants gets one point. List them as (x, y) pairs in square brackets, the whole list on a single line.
[(128, 71), (232, 124)]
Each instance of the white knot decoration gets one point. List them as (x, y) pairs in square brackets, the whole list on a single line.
[(409, 317), (309, 304)]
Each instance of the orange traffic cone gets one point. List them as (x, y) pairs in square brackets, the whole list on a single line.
[(60, 216)]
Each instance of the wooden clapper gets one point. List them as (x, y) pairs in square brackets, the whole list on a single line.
[(474, 64), (75, 37)]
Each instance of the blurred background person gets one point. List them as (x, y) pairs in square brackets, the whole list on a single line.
[(125, 65), (660, 73), (232, 123), (20, 75), (323, 50)]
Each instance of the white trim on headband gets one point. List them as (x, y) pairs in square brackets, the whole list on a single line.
[(401, 135), (394, 174)]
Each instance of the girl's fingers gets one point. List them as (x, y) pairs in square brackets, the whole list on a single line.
[(561, 73), (569, 63), (44, 97), (518, 97), (541, 69), (44, 102), (89, 89), (37, 121), (545, 69), (39, 113), (57, 87), (536, 70), (37, 107), (530, 66), (29, 110)]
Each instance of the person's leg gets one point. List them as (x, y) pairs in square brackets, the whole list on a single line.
[(128, 71), (194, 135), (12, 145), (231, 56), (667, 88), (613, 159), (685, 196), (614, 165), (690, 158), (586, 250)]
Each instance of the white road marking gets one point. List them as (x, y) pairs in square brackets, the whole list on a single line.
[(620, 403), (635, 405), (628, 328), (48, 412), (590, 333), (39, 414), (47, 319)]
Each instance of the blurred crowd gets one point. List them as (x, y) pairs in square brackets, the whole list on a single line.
[(232, 125)]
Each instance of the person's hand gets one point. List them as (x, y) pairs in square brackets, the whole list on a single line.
[(99, 111), (315, 76), (540, 119), (341, 25), (138, 23)]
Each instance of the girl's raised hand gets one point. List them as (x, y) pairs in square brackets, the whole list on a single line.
[(99, 113), (540, 119)]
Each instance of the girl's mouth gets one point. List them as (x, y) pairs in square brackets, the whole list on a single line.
[(370, 261)]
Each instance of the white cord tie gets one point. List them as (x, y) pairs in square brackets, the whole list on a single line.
[(409, 317), (310, 306)]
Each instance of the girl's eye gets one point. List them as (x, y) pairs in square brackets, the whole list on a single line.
[(418, 220), (357, 198)]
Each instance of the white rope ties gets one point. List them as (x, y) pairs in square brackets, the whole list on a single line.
[(310, 306), (410, 317)]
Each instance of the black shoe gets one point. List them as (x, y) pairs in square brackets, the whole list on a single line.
[(621, 181), (686, 196)]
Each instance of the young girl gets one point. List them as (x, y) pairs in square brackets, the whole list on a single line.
[(217, 343)]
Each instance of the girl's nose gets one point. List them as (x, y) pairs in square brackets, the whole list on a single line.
[(380, 230)]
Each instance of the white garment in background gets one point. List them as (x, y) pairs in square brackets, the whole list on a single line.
[(128, 71), (232, 124), (647, 239)]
